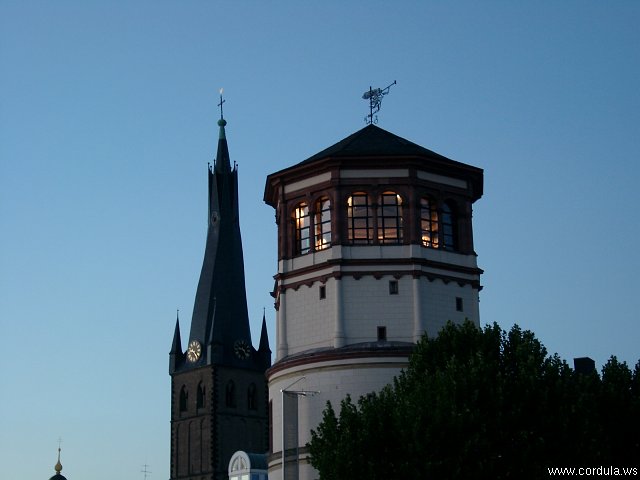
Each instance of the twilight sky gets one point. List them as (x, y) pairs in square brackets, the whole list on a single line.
[(108, 119)]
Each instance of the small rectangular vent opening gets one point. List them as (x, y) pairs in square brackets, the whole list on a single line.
[(382, 334)]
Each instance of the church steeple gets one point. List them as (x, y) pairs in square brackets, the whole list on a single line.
[(218, 383), (220, 318)]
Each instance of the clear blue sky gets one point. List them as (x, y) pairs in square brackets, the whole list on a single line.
[(108, 119)]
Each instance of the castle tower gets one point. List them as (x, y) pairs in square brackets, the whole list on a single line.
[(375, 248), (218, 386)]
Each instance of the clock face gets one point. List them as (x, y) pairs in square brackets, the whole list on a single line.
[(242, 349), (194, 351)]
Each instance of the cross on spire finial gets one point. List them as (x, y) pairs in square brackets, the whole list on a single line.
[(220, 104), (145, 471)]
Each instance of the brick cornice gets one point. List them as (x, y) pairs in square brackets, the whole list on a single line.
[(323, 275)]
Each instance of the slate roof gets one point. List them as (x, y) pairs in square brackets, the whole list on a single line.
[(376, 146), (373, 141)]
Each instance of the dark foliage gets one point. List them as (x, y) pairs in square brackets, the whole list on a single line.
[(483, 404)]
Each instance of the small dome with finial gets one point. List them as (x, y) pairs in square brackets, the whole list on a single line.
[(58, 469)]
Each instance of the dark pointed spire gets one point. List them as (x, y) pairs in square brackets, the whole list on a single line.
[(220, 316), (264, 336), (264, 352), (176, 346), (176, 356)]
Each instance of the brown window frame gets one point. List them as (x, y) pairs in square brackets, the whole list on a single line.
[(360, 218), (322, 224), (302, 228), (390, 218), (429, 223)]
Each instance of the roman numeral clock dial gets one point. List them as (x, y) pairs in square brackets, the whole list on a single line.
[(242, 349), (194, 351)]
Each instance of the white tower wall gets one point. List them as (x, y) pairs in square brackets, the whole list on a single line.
[(332, 380), (350, 309)]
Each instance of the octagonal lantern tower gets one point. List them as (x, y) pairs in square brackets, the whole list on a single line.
[(375, 248)]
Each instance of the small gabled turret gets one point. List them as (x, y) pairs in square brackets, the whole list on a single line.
[(176, 355), (264, 352)]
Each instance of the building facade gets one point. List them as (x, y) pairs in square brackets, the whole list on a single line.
[(375, 249), (218, 386)]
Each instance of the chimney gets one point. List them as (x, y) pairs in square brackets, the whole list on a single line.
[(584, 365)]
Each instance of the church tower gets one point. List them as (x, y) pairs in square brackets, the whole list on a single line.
[(375, 248), (218, 386)]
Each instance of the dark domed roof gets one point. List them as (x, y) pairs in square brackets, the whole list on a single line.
[(58, 476)]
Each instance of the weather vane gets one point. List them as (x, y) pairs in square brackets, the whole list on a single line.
[(220, 104), (374, 95)]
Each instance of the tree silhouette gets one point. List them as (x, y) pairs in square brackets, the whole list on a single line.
[(483, 403)]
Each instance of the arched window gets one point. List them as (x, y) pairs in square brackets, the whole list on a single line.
[(429, 223), (252, 397), (182, 403), (390, 224), (230, 396), (322, 222), (200, 396), (360, 223), (301, 224), (448, 227)]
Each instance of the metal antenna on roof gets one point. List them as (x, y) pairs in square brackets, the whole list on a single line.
[(374, 95), (145, 471)]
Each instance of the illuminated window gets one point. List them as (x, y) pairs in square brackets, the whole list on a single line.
[(448, 227), (429, 223), (301, 218), (183, 399), (390, 218), (322, 222), (359, 218)]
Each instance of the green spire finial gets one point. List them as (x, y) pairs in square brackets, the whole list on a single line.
[(222, 122)]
